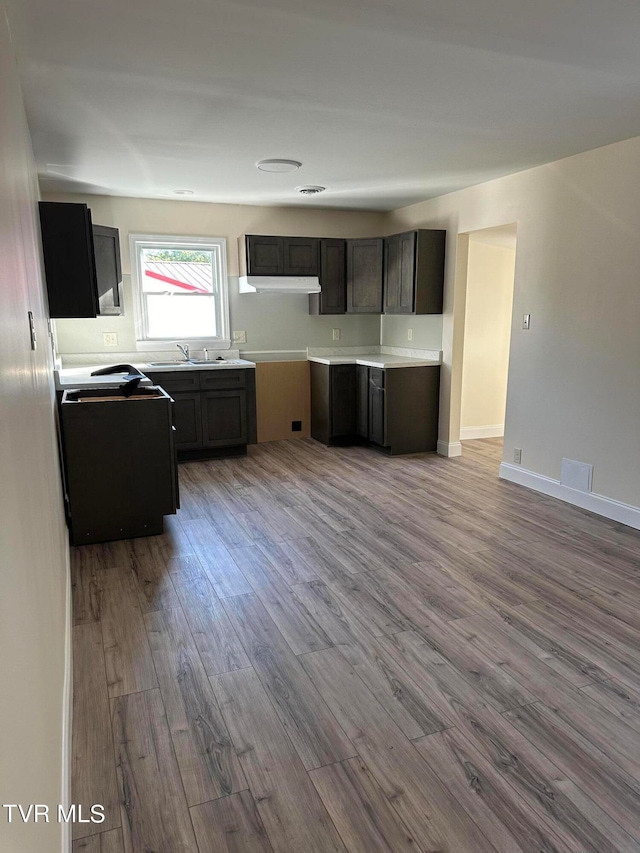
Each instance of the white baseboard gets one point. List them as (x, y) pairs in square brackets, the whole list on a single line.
[(494, 431), (449, 448), (67, 715), (601, 505)]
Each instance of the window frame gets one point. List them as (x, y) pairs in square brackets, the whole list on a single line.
[(137, 242)]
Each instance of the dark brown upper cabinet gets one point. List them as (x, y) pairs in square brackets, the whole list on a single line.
[(333, 279), (414, 272), (69, 261), (364, 276), (81, 262), (299, 256)]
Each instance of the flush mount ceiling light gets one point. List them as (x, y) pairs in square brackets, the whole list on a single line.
[(310, 190), (184, 192), (278, 165)]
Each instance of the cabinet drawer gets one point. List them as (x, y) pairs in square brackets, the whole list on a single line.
[(186, 380), (222, 379)]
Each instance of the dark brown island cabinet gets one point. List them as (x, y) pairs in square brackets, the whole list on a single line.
[(119, 462), (81, 262), (214, 410), (394, 410)]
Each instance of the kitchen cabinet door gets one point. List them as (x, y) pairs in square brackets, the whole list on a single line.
[(333, 279), (69, 261), (400, 273), (362, 405), (343, 399), (224, 418), (265, 255), (106, 245), (364, 276), (301, 255), (187, 415), (377, 431)]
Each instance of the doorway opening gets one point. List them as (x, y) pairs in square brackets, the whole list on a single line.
[(487, 339)]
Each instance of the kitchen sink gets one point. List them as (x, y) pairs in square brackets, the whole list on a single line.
[(200, 362)]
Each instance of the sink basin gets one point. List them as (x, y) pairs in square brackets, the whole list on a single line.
[(170, 363)]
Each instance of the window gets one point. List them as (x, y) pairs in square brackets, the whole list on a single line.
[(180, 289)]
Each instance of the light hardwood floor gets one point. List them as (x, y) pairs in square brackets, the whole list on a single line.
[(332, 650)]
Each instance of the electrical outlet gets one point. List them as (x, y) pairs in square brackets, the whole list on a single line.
[(526, 321), (336, 334), (296, 426), (517, 455), (239, 337), (409, 334), (110, 339)]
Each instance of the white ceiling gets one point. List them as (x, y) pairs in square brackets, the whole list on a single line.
[(386, 102)]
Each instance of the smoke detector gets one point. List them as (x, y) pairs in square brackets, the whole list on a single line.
[(278, 165), (310, 190)]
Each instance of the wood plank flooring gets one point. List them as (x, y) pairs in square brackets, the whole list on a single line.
[(332, 650)]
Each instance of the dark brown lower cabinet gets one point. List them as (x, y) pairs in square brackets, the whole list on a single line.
[(214, 411), (187, 415), (395, 409), (224, 418)]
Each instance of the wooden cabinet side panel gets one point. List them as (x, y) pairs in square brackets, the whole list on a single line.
[(412, 409), (70, 270), (430, 259)]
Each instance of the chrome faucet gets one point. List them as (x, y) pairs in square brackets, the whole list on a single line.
[(184, 349)]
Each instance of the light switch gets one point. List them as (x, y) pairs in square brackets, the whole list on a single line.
[(526, 321)]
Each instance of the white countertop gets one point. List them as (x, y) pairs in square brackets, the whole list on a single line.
[(80, 377), (212, 364), (375, 360)]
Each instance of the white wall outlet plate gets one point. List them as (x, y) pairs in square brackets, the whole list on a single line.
[(336, 334), (110, 339), (526, 321), (409, 334), (239, 337), (517, 455)]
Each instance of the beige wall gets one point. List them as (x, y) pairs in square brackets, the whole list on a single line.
[(271, 321), (33, 549), (574, 383), (487, 332)]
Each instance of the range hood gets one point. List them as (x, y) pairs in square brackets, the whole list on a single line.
[(279, 284)]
